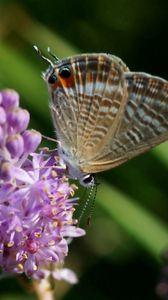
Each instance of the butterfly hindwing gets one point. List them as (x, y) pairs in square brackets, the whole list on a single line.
[(144, 121)]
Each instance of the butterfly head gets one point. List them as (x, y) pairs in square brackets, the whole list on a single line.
[(58, 73)]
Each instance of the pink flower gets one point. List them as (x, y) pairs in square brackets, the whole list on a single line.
[(36, 208)]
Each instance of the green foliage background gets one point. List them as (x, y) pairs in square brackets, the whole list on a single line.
[(121, 255)]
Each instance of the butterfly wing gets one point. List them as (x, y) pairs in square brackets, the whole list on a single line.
[(102, 90), (144, 122), (85, 105)]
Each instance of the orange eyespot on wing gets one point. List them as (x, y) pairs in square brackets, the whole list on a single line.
[(67, 82), (66, 76)]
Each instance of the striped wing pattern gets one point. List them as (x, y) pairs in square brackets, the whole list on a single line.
[(87, 109), (104, 114), (144, 121)]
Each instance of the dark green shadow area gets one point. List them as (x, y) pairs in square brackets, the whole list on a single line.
[(132, 280)]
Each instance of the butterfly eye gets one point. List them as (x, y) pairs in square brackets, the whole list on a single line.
[(52, 79), (65, 72)]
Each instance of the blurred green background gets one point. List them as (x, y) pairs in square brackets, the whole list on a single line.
[(121, 255)]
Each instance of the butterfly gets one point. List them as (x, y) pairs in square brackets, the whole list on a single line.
[(103, 113)]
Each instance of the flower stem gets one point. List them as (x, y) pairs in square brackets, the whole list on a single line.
[(43, 289)]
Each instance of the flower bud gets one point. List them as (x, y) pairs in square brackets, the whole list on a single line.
[(6, 171), (32, 139), (15, 145), (10, 99), (18, 118), (2, 115)]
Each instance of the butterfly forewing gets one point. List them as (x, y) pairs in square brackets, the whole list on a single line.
[(101, 99), (87, 109)]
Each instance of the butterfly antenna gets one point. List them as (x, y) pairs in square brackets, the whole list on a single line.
[(53, 55), (87, 201), (42, 56)]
